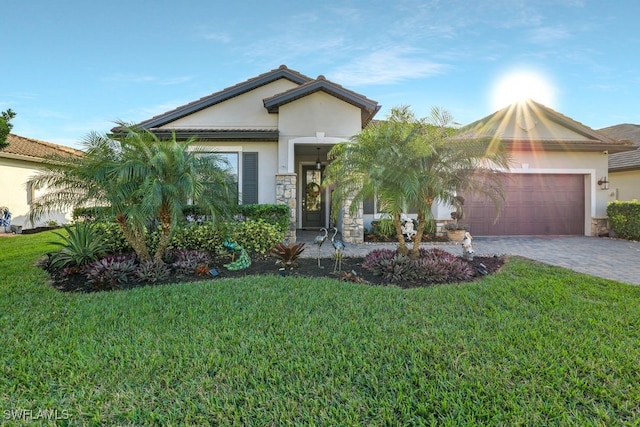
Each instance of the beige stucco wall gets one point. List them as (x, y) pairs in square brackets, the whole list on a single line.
[(317, 119), (624, 185), (14, 175), (244, 111)]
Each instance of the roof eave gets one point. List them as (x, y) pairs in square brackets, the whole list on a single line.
[(220, 135)]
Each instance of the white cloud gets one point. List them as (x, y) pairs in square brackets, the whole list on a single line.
[(386, 66), (547, 35)]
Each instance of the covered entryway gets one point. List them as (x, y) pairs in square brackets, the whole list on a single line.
[(536, 204)]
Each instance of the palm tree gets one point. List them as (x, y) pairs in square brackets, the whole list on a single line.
[(408, 162), (140, 178)]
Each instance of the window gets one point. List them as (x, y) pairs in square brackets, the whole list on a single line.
[(244, 173)]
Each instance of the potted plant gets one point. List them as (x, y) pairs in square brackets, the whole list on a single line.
[(456, 229)]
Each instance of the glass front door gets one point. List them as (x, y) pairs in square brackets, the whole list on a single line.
[(313, 200)]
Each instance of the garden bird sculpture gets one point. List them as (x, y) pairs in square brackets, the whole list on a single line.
[(319, 240), (338, 247)]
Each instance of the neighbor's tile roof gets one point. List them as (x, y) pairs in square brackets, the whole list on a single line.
[(529, 124), (28, 147), (629, 160)]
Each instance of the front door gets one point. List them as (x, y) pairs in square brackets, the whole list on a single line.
[(313, 201)]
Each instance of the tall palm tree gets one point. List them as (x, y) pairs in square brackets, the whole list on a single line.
[(409, 162), (140, 178)]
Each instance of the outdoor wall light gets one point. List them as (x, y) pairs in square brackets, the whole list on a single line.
[(318, 164), (603, 183)]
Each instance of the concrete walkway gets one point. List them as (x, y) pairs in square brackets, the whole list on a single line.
[(601, 257)]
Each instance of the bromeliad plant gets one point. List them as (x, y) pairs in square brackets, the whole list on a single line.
[(288, 254), (431, 266)]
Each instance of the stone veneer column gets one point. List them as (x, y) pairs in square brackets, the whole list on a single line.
[(286, 195), (352, 226), (600, 226)]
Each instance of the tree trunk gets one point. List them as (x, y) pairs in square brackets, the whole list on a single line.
[(135, 238), (165, 234), (415, 251), (402, 246)]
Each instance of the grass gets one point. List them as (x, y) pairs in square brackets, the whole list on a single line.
[(532, 345)]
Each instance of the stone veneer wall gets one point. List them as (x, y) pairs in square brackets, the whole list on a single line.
[(599, 226), (286, 192), (352, 226)]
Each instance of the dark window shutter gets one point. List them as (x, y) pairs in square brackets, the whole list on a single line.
[(368, 206), (249, 178)]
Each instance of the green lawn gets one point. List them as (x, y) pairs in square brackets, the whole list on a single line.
[(532, 345)]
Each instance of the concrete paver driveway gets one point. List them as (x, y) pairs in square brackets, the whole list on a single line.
[(601, 257)]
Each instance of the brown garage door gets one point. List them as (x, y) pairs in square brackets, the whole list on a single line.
[(535, 205)]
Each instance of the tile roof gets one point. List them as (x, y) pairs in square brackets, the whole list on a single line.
[(631, 159), (307, 85), (368, 106), (530, 124), (223, 95), (36, 149)]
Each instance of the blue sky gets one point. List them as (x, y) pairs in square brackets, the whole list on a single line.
[(69, 67)]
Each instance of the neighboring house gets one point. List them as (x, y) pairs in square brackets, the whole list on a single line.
[(556, 183), (22, 159), (274, 129), (624, 168)]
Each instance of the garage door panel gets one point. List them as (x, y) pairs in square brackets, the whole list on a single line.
[(536, 204)]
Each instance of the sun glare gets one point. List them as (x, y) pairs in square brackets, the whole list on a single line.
[(520, 85)]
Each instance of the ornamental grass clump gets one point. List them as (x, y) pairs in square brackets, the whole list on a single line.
[(430, 267)]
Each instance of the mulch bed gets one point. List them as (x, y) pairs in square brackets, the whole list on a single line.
[(307, 267)]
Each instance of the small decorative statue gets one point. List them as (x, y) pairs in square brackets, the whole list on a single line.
[(5, 218), (408, 230), (467, 248)]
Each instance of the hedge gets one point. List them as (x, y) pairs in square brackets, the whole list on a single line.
[(624, 218)]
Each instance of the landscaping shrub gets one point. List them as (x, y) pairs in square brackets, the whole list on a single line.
[(81, 245), (204, 237), (384, 229), (111, 272), (431, 266), (113, 236), (624, 218), (256, 236), (277, 215), (92, 214), (272, 214)]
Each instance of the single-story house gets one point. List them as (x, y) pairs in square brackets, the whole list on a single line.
[(624, 168), (22, 159), (276, 129), (558, 183)]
